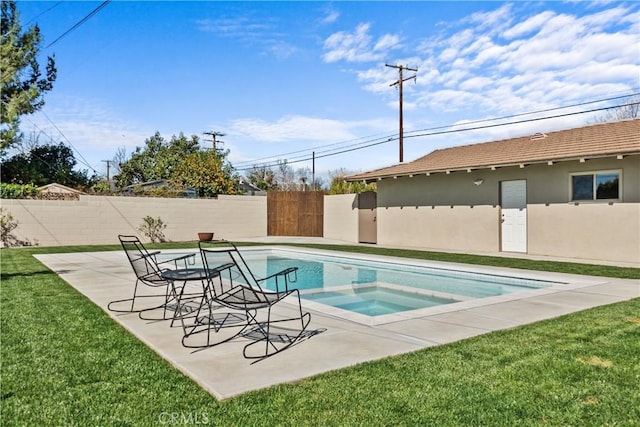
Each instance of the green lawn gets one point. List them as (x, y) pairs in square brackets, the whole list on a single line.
[(65, 362)]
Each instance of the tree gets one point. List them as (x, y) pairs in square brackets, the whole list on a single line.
[(286, 177), (308, 182), (45, 164), (119, 158), (207, 172), (263, 177), (630, 109), (317, 184), (340, 186), (29, 142), (156, 160), (303, 178), (180, 162), (21, 85)]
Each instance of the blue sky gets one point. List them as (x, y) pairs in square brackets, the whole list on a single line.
[(283, 79)]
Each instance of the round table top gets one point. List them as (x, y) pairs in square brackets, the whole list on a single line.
[(185, 274)]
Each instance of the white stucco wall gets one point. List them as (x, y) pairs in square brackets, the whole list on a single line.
[(448, 212), (585, 230), (99, 219), (457, 228), (341, 217)]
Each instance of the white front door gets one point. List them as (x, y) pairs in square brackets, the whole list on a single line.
[(514, 216)]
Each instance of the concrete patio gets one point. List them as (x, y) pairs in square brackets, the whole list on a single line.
[(222, 371)]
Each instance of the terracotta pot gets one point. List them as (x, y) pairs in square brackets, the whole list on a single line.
[(205, 237)]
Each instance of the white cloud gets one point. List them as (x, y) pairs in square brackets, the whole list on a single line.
[(251, 31), (386, 42), (451, 47), (448, 100), (528, 26), (376, 79), (358, 46), (89, 127), (352, 47), (292, 128), (455, 76), (241, 27), (280, 49), (290, 132), (535, 60), (606, 18), (494, 21), (331, 16), (475, 83), (491, 53)]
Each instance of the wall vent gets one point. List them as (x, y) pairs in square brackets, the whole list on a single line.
[(537, 136)]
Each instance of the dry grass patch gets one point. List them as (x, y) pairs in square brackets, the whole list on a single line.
[(595, 361), (591, 400)]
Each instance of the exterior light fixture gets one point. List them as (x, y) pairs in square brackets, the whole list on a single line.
[(478, 181)]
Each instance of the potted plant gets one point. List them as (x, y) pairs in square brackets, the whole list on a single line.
[(205, 237)]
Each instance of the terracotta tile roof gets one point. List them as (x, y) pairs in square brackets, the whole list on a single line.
[(600, 140)]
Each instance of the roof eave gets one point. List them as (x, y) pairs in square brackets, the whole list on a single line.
[(369, 178)]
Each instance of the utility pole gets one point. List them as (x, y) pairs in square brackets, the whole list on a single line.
[(313, 170), (398, 83), (214, 135), (108, 162)]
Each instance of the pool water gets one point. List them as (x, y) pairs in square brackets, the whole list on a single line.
[(376, 301), (375, 288)]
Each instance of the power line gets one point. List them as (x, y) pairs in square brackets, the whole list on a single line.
[(441, 132), (42, 13), (82, 21), (84, 161), (306, 150), (31, 153), (375, 140), (535, 119), (81, 157), (529, 113), (277, 158)]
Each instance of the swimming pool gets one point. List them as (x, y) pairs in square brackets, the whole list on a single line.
[(380, 287)]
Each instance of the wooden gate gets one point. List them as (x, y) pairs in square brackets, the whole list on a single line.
[(295, 213)]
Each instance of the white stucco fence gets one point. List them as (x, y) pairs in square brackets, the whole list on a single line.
[(341, 217), (607, 232), (99, 219)]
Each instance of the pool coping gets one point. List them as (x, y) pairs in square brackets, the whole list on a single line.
[(336, 343), (564, 282)]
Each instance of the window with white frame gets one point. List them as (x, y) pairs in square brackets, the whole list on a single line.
[(603, 185)]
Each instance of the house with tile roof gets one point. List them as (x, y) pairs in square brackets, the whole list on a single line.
[(570, 193), (57, 191)]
